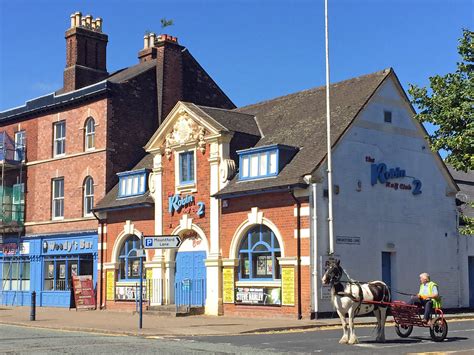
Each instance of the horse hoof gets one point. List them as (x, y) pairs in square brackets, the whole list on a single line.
[(343, 341), (353, 341)]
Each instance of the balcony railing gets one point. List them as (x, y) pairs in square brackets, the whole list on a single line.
[(12, 206), (10, 153)]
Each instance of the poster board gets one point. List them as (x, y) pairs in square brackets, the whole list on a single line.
[(83, 290), (228, 278), (110, 277), (288, 286)]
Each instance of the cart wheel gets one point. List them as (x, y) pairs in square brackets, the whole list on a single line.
[(439, 330), (403, 331)]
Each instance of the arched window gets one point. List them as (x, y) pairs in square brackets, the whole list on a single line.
[(88, 195), (129, 268), (89, 134), (258, 254)]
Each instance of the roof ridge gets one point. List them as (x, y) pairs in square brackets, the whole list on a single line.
[(385, 71), (224, 109)]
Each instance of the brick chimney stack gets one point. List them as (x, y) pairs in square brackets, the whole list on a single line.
[(86, 47), (152, 43)]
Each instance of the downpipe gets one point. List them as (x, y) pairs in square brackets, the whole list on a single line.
[(101, 278), (298, 252)]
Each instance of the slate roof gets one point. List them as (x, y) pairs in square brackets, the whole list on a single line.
[(110, 201), (228, 120), (299, 120), (59, 98), (465, 182)]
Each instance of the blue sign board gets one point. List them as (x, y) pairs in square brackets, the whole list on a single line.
[(68, 246), (379, 173), (177, 203)]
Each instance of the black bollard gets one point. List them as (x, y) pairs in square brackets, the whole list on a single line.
[(33, 306)]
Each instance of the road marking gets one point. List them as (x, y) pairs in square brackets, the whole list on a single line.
[(464, 351)]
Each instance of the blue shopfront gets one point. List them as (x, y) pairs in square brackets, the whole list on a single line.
[(46, 264)]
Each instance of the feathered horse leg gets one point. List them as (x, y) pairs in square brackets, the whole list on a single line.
[(352, 337), (345, 335)]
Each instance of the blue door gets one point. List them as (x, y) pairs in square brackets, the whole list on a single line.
[(190, 278), (387, 268), (471, 281)]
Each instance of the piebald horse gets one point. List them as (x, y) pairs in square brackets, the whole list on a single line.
[(348, 297)]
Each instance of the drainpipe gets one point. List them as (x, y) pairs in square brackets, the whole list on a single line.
[(101, 278), (314, 250), (298, 251)]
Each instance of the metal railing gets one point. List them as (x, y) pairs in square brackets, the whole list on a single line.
[(56, 285), (190, 292), (156, 289)]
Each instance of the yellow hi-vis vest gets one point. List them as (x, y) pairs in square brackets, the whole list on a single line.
[(437, 300)]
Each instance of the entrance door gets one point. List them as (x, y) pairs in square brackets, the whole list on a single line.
[(190, 277), (387, 268), (471, 281)]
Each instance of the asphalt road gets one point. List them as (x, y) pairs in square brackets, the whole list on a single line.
[(23, 340)]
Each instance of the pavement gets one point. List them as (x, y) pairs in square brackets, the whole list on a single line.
[(126, 323)]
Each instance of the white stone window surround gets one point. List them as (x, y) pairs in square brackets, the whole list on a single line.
[(191, 187)]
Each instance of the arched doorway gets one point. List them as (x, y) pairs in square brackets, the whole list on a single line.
[(190, 272)]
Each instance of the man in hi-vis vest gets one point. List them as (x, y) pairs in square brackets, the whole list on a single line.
[(428, 296)]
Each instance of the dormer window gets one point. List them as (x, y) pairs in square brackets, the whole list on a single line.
[(132, 183), (263, 162)]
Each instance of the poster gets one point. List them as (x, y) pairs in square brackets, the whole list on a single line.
[(62, 271), (149, 274), (110, 296), (228, 281), (130, 293), (73, 269), (288, 286), (263, 296), (50, 271), (83, 290)]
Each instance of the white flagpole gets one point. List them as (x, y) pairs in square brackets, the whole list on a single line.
[(328, 128)]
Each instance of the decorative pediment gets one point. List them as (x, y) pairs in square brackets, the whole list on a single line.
[(185, 130)]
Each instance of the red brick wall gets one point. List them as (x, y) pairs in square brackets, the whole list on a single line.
[(279, 209)]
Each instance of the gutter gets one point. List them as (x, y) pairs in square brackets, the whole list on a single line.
[(283, 188)]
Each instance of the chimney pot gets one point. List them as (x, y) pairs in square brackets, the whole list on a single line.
[(98, 24), (73, 20), (145, 41), (151, 43), (83, 21), (78, 17), (89, 21)]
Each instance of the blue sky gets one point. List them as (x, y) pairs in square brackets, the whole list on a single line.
[(255, 50)]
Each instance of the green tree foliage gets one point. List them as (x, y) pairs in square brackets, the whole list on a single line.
[(449, 105)]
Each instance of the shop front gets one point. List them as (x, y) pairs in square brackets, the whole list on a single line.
[(15, 273)]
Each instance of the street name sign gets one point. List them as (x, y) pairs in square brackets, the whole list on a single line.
[(161, 242)]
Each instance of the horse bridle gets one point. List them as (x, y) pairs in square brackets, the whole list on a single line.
[(335, 274)]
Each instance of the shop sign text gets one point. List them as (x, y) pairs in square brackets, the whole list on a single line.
[(67, 246), (379, 173), (187, 204)]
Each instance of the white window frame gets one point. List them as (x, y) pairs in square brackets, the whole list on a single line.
[(20, 144), (58, 198), (59, 141), (89, 132), (132, 184), (184, 187), (88, 192)]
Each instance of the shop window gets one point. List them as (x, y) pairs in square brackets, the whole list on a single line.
[(89, 134), (132, 183), (258, 255), (58, 198), (129, 262), (88, 190), (58, 271), (186, 168), (20, 144), (16, 274), (59, 146)]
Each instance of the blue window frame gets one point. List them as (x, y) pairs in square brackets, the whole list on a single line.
[(258, 255), (132, 183), (258, 163), (59, 270), (186, 168), (15, 274), (129, 268)]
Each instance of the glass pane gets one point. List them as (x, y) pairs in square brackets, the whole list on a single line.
[(254, 165), (273, 163), (277, 265), (15, 273), (254, 236), (134, 185), (244, 266), (129, 186), (244, 245), (191, 166), (263, 164), (267, 236), (142, 183), (123, 183), (260, 247), (260, 265), (48, 275), (245, 167), (122, 269), (25, 272), (134, 268)]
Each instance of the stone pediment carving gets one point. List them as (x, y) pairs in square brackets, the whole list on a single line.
[(185, 130)]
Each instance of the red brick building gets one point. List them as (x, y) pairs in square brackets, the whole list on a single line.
[(75, 141)]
